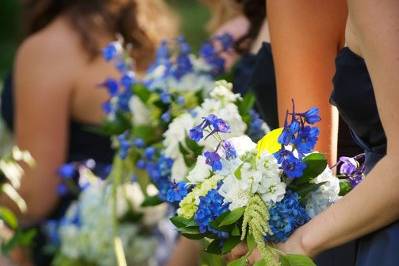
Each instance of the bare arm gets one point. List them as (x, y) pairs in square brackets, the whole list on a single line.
[(43, 81), (376, 25), (185, 253), (306, 36)]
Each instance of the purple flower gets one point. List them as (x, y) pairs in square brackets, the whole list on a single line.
[(312, 115), (213, 159), (348, 166), (196, 133), (229, 150), (220, 125)]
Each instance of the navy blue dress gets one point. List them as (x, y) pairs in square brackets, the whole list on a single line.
[(83, 145), (354, 97)]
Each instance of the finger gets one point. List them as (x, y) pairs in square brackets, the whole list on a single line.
[(254, 257), (239, 251)]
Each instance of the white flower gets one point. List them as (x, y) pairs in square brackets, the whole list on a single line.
[(179, 169), (223, 91), (200, 172), (242, 144), (177, 132), (235, 191), (325, 195), (140, 112)]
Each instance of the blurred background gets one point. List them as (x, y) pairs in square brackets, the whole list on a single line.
[(193, 17)]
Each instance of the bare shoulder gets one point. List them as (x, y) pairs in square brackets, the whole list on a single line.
[(54, 52)]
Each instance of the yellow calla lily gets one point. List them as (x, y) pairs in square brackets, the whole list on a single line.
[(270, 142)]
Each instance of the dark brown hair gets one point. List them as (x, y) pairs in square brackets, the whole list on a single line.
[(255, 12), (139, 22)]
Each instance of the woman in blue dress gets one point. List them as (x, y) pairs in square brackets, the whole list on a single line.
[(366, 94)]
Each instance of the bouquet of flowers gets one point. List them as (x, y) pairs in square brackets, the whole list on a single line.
[(107, 225), (259, 193), (10, 181)]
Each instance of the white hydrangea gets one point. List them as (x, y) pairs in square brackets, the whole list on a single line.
[(179, 169), (235, 191), (325, 195), (223, 91), (200, 172), (92, 239), (242, 144), (141, 114)]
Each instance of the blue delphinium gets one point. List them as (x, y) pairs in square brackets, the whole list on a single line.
[(112, 86), (124, 145), (214, 125), (286, 216), (183, 61), (312, 115), (301, 139), (255, 130), (213, 159), (306, 139), (177, 192), (230, 151), (67, 171), (166, 117), (128, 79), (210, 207), (111, 51), (159, 170), (211, 55)]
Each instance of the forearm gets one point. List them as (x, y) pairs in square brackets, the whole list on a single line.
[(185, 253), (373, 204)]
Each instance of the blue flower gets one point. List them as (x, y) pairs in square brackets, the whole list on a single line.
[(108, 107), (123, 100), (128, 79), (294, 126), (286, 216), (306, 139), (196, 133), (183, 66), (112, 86), (226, 40), (230, 151), (149, 153), (166, 117), (180, 100), (184, 47), (140, 164), (138, 142), (286, 136), (210, 207), (283, 155), (111, 51), (255, 131), (124, 145), (219, 125), (312, 115), (165, 97), (213, 159), (348, 166), (293, 167), (67, 171), (177, 192), (62, 190)]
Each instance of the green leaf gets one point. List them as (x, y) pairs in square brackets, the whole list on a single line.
[(251, 243), (147, 133), (296, 260), (194, 146), (193, 236), (236, 231), (194, 230), (215, 247), (8, 217), (344, 187), (232, 217), (261, 262), (237, 172), (181, 222), (151, 201), (246, 104), (142, 92), (230, 243), (20, 238), (238, 262)]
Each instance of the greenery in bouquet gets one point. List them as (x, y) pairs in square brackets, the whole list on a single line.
[(259, 193), (11, 171), (106, 225)]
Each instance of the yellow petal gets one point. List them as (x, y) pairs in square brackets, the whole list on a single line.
[(270, 142)]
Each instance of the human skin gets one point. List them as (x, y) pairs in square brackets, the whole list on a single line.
[(373, 33)]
